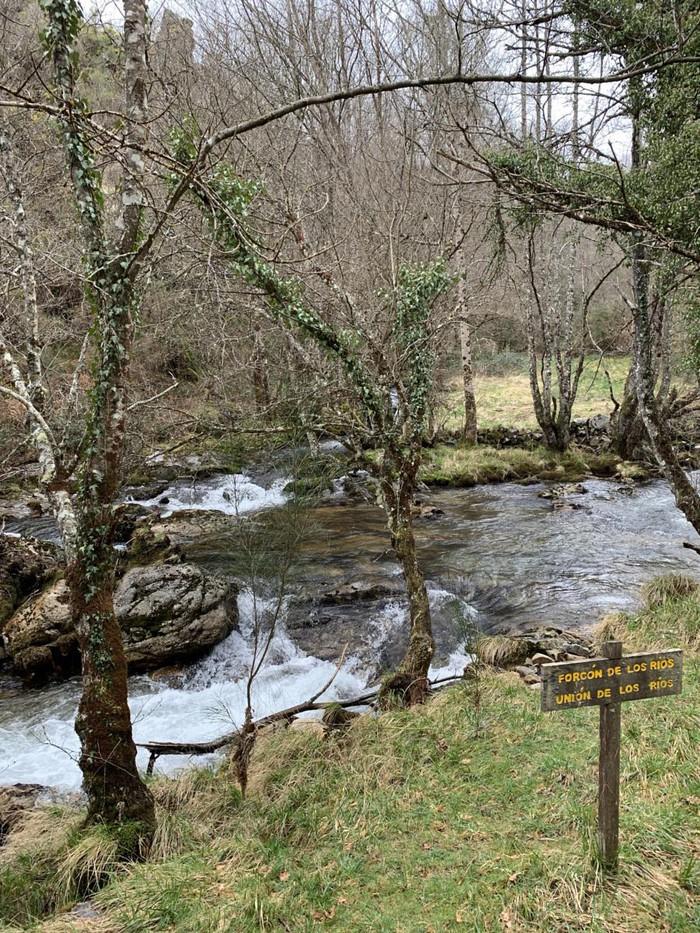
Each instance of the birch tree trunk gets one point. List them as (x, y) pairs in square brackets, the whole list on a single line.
[(469, 430), (469, 426)]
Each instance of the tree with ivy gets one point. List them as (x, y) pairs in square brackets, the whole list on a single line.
[(82, 480), (82, 476), (391, 384)]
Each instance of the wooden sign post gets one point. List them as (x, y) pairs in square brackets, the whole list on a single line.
[(609, 773), (607, 682)]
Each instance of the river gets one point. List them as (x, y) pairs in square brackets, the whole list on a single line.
[(500, 557)]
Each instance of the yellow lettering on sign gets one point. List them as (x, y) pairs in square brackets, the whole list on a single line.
[(628, 688), (662, 664), (661, 685), (606, 693), (576, 676), (614, 671), (565, 699), (637, 667)]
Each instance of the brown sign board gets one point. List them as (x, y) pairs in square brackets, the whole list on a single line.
[(603, 681)]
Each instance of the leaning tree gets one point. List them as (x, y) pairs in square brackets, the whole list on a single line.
[(649, 205)]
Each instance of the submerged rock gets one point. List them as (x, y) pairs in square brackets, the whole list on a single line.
[(367, 620), (562, 490), (167, 614), (359, 589)]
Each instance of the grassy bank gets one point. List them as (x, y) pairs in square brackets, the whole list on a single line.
[(443, 817), (449, 465)]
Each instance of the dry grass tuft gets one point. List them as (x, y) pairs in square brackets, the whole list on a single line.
[(39, 833), (665, 589), (612, 627), (70, 923), (87, 864), (190, 809), (501, 651)]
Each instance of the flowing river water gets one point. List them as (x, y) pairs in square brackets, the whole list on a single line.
[(500, 557)]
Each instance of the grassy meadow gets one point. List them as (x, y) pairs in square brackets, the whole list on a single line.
[(503, 397)]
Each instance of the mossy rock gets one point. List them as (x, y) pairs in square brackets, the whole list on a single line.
[(148, 545), (603, 464), (633, 472)]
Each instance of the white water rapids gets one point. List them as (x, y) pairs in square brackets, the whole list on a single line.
[(500, 551), (38, 743), (233, 494)]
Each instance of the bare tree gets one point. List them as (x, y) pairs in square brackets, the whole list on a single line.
[(560, 296)]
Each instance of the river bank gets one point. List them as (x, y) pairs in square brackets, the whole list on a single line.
[(475, 812)]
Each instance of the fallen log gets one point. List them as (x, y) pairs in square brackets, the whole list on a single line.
[(156, 749)]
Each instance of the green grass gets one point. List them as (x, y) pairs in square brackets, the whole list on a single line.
[(410, 822), (449, 465), (504, 398)]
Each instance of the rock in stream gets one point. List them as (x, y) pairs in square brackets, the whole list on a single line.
[(168, 613)]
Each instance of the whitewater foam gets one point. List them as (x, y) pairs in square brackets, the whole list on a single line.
[(38, 743), (230, 493)]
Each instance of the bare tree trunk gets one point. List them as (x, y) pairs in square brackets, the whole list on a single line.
[(469, 428), (260, 381), (575, 122), (523, 71), (628, 427), (469, 431)]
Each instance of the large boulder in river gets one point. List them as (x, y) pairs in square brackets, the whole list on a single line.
[(39, 639), (172, 613), (167, 613)]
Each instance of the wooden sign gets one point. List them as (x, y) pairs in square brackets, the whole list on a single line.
[(607, 682), (601, 681)]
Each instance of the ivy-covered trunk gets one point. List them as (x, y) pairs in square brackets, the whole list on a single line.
[(115, 792), (398, 486), (111, 251)]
